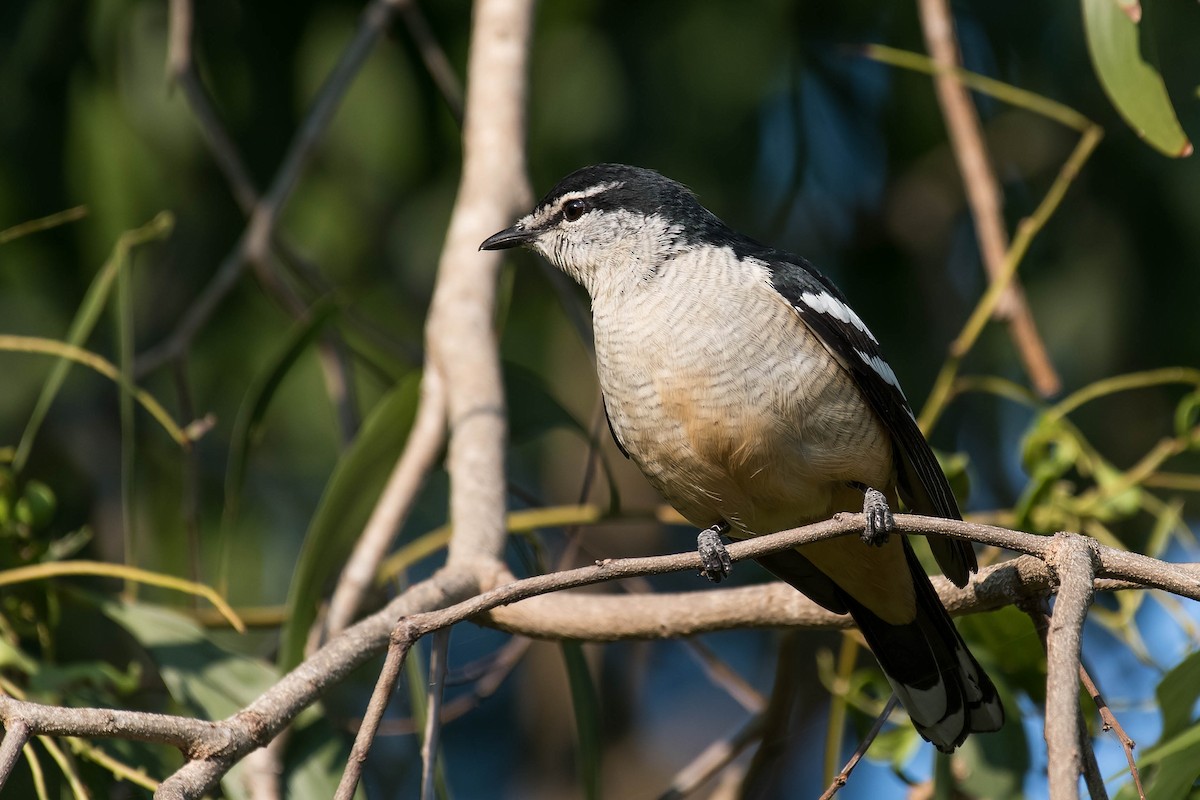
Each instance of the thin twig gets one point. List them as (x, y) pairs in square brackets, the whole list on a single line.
[(16, 735), (1027, 230), (190, 491), (338, 368), (1111, 724), (438, 656), (498, 668), (1092, 777), (861, 750), (42, 223), (374, 20), (253, 246), (714, 758), (983, 191), (436, 63), (723, 675), (385, 684)]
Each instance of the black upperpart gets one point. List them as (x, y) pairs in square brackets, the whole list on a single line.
[(642, 191)]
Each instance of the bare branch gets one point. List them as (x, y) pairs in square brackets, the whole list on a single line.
[(861, 750), (1073, 562), (983, 190), (374, 21), (16, 735), (256, 724), (433, 711), (1111, 724), (214, 747), (264, 770), (140, 726), (460, 335), (723, 675), (402, 640), (253, 246), (1092, 777), (436, 62), (714, 758)]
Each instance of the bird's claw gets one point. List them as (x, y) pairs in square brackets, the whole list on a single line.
[(880, 522), (713, 555)]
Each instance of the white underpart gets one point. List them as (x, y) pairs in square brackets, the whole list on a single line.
[(826, 303), (881, 368)]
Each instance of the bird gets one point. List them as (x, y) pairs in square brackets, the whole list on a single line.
[(740, 381)]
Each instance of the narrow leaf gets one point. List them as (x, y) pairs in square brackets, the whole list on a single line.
[(1133, 86), (345, 505), (586, 705), (258, 399), (85, 321)]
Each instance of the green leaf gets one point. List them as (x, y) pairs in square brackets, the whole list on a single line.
[(1122, 503), (350, 495), (1171, 767), (1133, 86), (996, 763), (258, 399), (85, 321), (217, 682), (53, 680), (896, 746), (12, 657), (1177, 695), (532, 408), (1008, 646), (197, 672), (586, 705)]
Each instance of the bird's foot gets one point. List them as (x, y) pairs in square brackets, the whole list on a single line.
[(880, 522), (713, 554)]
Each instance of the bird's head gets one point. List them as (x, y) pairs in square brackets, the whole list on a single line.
[(609, 222)]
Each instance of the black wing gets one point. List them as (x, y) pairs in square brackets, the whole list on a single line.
[(922, 484)]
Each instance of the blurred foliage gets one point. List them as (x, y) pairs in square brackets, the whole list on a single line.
[(254, 475)]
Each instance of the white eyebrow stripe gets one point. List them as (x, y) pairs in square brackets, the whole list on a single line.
[(542, 215), (826, 303), (882, 369), (588, 192)]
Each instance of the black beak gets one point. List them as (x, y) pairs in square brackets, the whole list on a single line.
[(507, 238)]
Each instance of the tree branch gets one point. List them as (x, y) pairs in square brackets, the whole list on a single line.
[(1111, 724), (16, 736), (983, 191), (840, 780), (460, 334), (1073, 562), (214, 747)]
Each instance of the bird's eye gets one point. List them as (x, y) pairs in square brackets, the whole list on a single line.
[(573, 209)]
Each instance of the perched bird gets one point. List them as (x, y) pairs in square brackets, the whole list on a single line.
[(740, 381)]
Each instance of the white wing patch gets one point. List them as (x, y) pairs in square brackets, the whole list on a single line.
[(826, 303), (882, 369)]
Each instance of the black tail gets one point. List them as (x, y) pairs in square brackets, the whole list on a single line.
[(940, 684)]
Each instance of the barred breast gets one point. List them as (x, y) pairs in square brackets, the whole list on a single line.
[(733, 409)]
